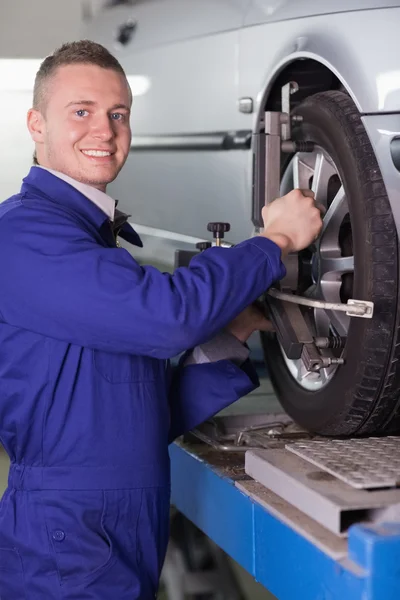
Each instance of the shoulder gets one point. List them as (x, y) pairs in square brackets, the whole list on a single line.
[(22, 205), (10, 204), (29, 221)]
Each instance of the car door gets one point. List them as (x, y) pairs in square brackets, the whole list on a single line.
[(187, 160)]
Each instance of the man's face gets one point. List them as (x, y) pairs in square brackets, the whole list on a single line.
[(85, 130)]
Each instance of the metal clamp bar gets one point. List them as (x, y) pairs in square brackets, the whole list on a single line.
[(250, 437), (353, 308), (273, 121)]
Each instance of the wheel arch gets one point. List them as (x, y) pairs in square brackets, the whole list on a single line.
[(312, 71), (317, 67)]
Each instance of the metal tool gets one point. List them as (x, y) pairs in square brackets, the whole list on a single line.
[(282, 303), (245, 432)]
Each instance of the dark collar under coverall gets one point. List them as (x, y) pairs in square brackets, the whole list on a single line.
[(88, 399)]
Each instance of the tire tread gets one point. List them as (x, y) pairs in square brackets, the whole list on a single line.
[(380, 410)]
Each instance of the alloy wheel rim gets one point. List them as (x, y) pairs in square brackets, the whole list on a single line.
[(327, 267)]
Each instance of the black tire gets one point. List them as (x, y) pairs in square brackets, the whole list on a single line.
[(363, 395)]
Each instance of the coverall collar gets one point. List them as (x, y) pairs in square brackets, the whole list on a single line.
[(98, 197), (53, 187)]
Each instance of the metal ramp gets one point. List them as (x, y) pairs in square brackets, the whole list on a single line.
[(283, 547), (337, 483)]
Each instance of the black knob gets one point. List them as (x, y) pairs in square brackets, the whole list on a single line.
[(203, 245), (218, 228)]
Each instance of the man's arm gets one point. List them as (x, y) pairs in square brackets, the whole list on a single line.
[(57, 281), (199, 391), (223, 346), (226, 373)]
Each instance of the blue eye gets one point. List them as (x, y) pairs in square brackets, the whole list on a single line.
[(117, 116), (81, 112)]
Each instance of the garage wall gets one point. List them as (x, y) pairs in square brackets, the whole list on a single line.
[(33, 28), (29, 31)]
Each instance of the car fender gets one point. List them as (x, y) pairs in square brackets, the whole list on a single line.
[(372, 83), (368, 67)]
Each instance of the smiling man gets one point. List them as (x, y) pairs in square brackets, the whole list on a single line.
[(88, 399), (80, 119)]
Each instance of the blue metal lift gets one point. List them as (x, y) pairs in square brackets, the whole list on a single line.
[(286, 551)]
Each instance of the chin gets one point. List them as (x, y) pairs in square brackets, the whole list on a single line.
[(98, 179)]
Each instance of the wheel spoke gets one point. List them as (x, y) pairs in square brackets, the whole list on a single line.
[(323, 171), (330, 292), (329, 237), (340, 322), (302, 173), (323, 375), (336, 265), (322, 323), (311, 292), (300, 372)]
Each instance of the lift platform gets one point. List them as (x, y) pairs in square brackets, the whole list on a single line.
[(309, 519)]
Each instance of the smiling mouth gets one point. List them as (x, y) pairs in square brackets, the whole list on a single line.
[(97, 153)]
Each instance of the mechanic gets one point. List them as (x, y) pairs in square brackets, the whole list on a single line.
[(88, 399)]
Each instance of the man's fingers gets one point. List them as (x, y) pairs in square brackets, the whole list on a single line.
[(308, 193), (294, 221), (260, 320), (266, 325)]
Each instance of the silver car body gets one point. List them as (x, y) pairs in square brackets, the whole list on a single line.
[(190, 62)]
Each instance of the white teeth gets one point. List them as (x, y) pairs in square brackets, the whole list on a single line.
[(96, 153)]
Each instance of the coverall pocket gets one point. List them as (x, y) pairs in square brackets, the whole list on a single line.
[(79, 542), (12, 584), (125, 368)]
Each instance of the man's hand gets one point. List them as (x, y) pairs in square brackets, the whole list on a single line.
[(250, 320), (293, 222)]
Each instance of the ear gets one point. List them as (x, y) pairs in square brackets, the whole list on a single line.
[(36, 125)]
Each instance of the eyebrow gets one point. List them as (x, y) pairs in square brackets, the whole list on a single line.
[(92, 103)]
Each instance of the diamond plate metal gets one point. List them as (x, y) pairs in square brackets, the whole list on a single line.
[(362, 463)]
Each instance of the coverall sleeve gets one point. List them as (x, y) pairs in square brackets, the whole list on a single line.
[(199, 391), (58, 281), (224, 346)]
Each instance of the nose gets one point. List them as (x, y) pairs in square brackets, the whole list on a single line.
[(102, 128)]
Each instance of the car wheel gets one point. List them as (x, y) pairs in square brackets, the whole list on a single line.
[(355, 257)]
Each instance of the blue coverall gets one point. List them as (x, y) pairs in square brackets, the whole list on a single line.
[(88, 399)]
